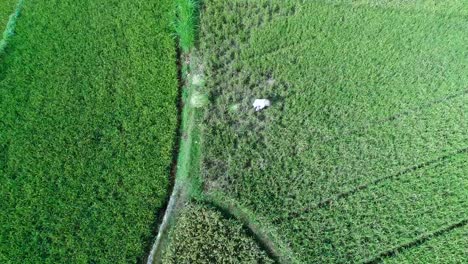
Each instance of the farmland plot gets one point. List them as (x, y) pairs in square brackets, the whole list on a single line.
[(87, 124), (203, 235), (364, 149)]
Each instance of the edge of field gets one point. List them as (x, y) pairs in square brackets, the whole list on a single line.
[(183, 186), (266, 236), (10, 26)]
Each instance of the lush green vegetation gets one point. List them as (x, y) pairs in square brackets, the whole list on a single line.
[(204, 235), (87, 118), (364, 149), (362, 156), (185, 25), (448, 248), (9, 12), (186, 185), (7, 7)]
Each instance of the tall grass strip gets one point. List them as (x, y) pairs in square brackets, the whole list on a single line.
[(185, 32), (10, 27), (185, 24)]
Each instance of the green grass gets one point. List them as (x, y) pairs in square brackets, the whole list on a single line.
[(387, 215), (9, 13), (194, 232), (186, 184), (185, 23), (88, 116), (363, 150), (204, 235), (362, 156), (7, 7)]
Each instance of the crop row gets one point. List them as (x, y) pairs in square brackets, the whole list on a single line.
[(381, 217), (449, 247)]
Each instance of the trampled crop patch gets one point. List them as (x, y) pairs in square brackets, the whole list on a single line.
[(367, 129), (87, 118)]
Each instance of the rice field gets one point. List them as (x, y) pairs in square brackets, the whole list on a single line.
[(362, 156), (128, 132), (88, 117)]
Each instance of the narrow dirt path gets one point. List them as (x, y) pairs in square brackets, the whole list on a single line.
[(182, 160), (184, 175)]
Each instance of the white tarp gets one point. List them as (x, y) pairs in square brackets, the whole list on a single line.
[(260, 104)]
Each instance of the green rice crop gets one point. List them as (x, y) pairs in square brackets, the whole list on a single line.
[(88, 112), (204, 235), (185, 23), (384, 216), (364, 147), (450, 247)]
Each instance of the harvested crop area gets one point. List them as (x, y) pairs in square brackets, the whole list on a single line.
[(88, 118), (363, 154)]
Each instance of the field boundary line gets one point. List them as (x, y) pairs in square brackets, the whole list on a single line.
[(183, 186), (163, 227), (345, 194), (417, 242), (266, 238), (180, 192), (363, 128), (10, 26), (410, 111)]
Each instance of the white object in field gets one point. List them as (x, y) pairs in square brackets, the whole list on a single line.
[(197, 80), (198, 100), (260, 104)]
